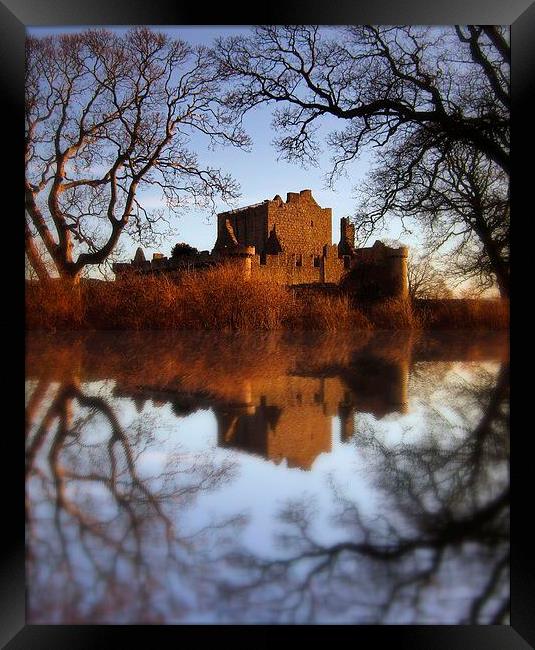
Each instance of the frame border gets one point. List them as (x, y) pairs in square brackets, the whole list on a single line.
[(15, 16)]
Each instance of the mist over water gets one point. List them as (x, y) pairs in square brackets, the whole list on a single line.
[(281, 477)]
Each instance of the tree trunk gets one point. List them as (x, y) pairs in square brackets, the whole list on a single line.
[(71, 279), (34, 258), (498, 265)]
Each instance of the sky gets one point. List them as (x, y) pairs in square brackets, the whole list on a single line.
[(260, 173)]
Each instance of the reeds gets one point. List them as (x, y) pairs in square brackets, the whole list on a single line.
[(393, 313), (221, 299), (463, 314)]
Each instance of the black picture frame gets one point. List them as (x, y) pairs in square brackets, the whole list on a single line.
[(15, 16)]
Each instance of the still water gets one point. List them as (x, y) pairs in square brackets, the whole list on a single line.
[(267, 478)]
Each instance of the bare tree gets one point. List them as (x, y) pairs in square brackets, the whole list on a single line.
[(385, 82), (425, 279), (108, 116), (433, 102), (458, 197), (37, 266)]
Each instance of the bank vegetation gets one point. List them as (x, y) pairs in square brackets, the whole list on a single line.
[(218, 299)]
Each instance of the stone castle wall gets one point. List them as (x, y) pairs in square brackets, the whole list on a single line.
[(299, 268), (250, 226), (302, 226), (378, 271)]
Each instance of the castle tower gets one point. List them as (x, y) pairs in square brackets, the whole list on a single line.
[(347, 238), (229, 249), (243, 258), (139, 257), (397, 263)]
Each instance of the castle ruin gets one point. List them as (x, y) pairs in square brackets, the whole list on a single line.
[(291, 241)]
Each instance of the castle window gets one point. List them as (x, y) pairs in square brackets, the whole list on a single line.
[(299, 260), (316, 261), (312, 224)]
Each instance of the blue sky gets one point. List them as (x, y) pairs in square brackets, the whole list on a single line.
[(260, 174)]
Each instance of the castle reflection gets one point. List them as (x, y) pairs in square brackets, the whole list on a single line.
[(289, 416), (273, 394)]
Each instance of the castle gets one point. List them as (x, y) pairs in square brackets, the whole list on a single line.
[(292, 241)]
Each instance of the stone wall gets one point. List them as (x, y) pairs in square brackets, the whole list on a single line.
[(287, 268), (250, 226), (378, 271), (300, 268), (302, 226), (346, 247), (172, 267), (333, 267)]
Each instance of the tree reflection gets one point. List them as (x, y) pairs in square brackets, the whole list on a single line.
[(104, 535), (435, 550)]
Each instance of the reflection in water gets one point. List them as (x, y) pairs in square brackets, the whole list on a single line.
[(126, 523), (103, 534), (437, 550)]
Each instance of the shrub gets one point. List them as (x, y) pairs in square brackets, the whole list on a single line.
[(183, 249)]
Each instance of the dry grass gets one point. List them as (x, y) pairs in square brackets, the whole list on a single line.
[(54, 305), (213, 299), (393, 313), (322, 312), (220, 299), (463, 314)]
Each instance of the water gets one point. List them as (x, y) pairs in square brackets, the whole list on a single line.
[(267, 478)]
